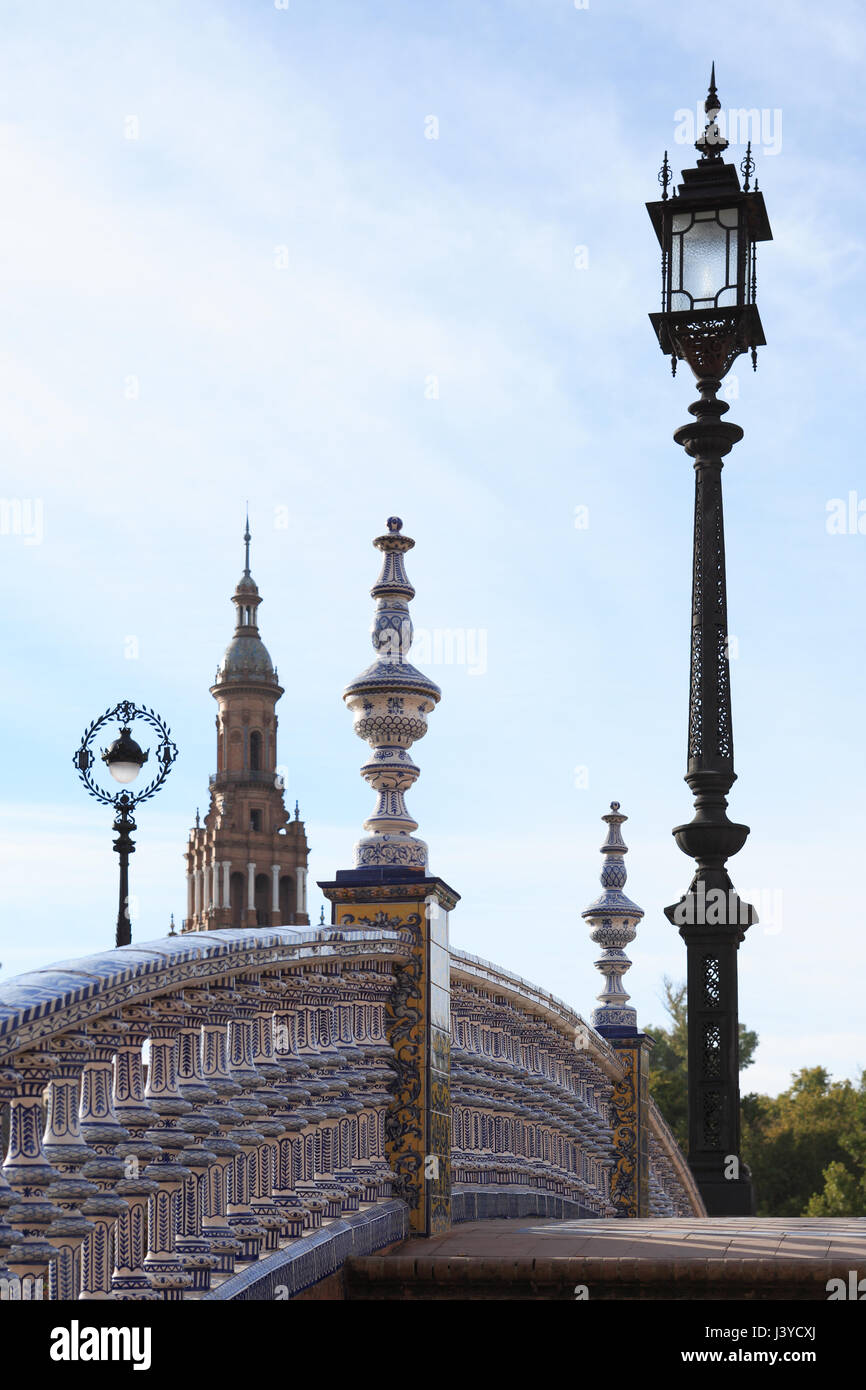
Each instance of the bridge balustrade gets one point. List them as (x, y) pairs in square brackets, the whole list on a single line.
[(529, 1112), (206, 1116), (531, 1090), (258, 1116)]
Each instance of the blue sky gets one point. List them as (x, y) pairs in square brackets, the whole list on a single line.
[(233, 265)]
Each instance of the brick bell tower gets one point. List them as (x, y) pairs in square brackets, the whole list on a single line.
[(247, 864)]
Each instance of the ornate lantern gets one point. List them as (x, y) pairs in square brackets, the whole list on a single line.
[(708, 231)]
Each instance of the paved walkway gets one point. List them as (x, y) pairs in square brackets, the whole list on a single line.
[(686, 1238), (687, 1258)]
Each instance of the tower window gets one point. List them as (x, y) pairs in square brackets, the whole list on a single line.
[(255, 752), (255, 820), (262, 899), (237, 893), (287, 900)]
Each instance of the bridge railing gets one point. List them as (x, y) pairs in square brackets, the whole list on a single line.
[(261, 1114), (673, 1190), (532, 1087), (531, 1111), (208, 1115)]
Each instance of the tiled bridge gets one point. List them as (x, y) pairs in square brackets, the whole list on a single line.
[(255, 1161)]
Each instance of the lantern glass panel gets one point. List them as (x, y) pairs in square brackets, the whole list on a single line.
[(704, 259)]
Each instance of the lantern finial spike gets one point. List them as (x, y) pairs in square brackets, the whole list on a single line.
[(712, 102), (711, 144)]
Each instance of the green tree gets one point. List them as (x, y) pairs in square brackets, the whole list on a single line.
[(843, 1194), (844, 1191), (807, 1146), (668, 1078)]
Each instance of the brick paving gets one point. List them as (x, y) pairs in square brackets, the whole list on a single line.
[(685, 1258), (685, 1238)]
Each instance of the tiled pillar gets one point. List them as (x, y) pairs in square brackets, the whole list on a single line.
[(629, 1187), (418, 1028), (614, 919)]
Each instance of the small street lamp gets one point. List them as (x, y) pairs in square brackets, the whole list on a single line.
[(124, 760), (708, 230)]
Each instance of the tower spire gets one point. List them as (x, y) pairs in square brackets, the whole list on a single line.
[(390, 702), (246, 659), (614, 919)]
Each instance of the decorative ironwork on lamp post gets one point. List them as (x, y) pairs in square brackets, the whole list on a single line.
[(708, 230), (124, 760)]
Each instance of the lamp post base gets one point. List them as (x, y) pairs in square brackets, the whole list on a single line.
[(722, 1197)]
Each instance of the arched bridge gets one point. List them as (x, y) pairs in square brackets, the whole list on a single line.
[(232, 1115)]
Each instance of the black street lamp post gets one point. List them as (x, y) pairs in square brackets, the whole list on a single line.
[(707, 230), (124, 760)]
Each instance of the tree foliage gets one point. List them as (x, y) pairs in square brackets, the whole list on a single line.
[(806, 1148)]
